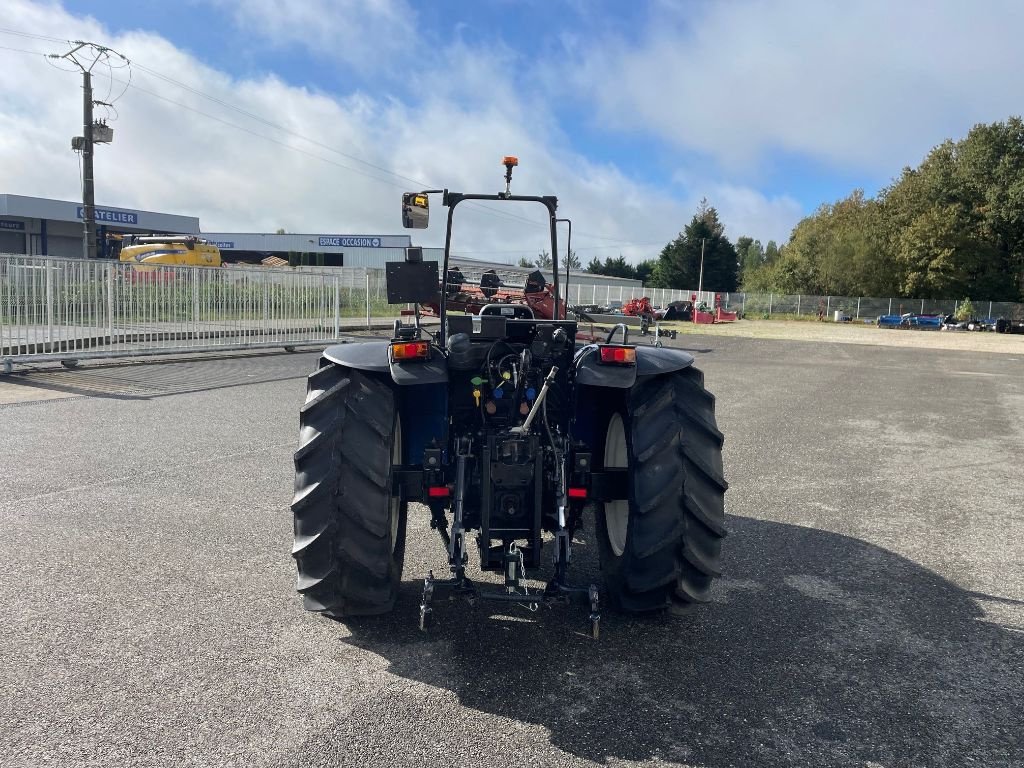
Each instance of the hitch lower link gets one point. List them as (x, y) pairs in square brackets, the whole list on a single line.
[(558, 590), (515, 593)]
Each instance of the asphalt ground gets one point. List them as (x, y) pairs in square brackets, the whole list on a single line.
[(871, 614)]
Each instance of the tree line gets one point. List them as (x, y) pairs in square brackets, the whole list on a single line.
[(951, 227)]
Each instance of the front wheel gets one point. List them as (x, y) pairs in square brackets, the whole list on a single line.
[(661, 546), (349, 544)]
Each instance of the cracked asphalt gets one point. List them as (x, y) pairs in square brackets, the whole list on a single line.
[(871, 614)]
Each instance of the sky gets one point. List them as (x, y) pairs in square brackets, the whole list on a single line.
[(315, 115)]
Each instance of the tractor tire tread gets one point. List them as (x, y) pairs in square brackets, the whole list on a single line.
[(342, 544), (673, 548)]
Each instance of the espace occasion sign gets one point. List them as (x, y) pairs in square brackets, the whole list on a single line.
[(349, 241)]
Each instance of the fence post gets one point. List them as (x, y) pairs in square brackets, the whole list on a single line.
[(337, 307), (110, 302), (771, 296), (266, 301), (195, 302), (367, 273), (798, 299), (890, 307), (858, 307), (49, 305), (743, 310), (828, 306), (990, 310), (922, 306)]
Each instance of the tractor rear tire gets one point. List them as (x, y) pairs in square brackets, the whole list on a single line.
[(661, 547), (349, 544)]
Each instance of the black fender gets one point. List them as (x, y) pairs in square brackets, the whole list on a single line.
[(650, 361), (373, 356)]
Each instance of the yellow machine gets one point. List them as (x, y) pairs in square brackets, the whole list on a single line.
[(169, 250)]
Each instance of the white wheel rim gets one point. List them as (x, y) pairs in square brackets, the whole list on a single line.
[(616, 513), (395, 505)]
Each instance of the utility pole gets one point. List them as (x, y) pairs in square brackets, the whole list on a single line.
[(88, 185), (700, 282), (86, 56)]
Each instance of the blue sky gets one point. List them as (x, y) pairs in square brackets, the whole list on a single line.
[(631, 112), (534, 31)]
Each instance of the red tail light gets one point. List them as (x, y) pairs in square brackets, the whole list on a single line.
[(618, 355), (577, 493), (410, 350), (439, 491)]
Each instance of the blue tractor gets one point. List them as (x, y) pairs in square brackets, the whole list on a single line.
[(511, 427)]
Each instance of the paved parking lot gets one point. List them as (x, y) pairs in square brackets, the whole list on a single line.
[(872, 613)]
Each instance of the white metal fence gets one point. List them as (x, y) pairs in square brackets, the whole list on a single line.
[(787, 305), (57, 309)]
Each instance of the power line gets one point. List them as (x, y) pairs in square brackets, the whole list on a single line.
[(617, 242), (253, 116), (47, 38), (315, 142), (22, 50)]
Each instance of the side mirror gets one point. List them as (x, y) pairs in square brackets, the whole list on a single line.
[(415, 210)]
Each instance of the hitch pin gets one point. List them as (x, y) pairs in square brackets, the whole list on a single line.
[(548, 380)]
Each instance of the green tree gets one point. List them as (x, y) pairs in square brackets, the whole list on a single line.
[(595, 267), (679, 263), (525, 262), (954, 225), (618, 267), (573, 260), (543, 260), (964, 310), (644, 271), (750, 255)]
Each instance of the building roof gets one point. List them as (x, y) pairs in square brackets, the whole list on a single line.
[(119, 218)]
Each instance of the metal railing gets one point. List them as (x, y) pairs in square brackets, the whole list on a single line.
[(769, 305), (67, 309)]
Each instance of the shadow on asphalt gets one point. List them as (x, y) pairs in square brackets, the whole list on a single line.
[(819, 649), (159, 378)]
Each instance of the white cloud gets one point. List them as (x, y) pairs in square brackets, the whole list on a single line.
[(363, 33), (870, 85), (758, 216), (166, 157)]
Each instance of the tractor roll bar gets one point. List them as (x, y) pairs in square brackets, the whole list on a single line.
[(452, 199)]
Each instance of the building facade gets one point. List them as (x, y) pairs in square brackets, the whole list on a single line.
[(38, 226)]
